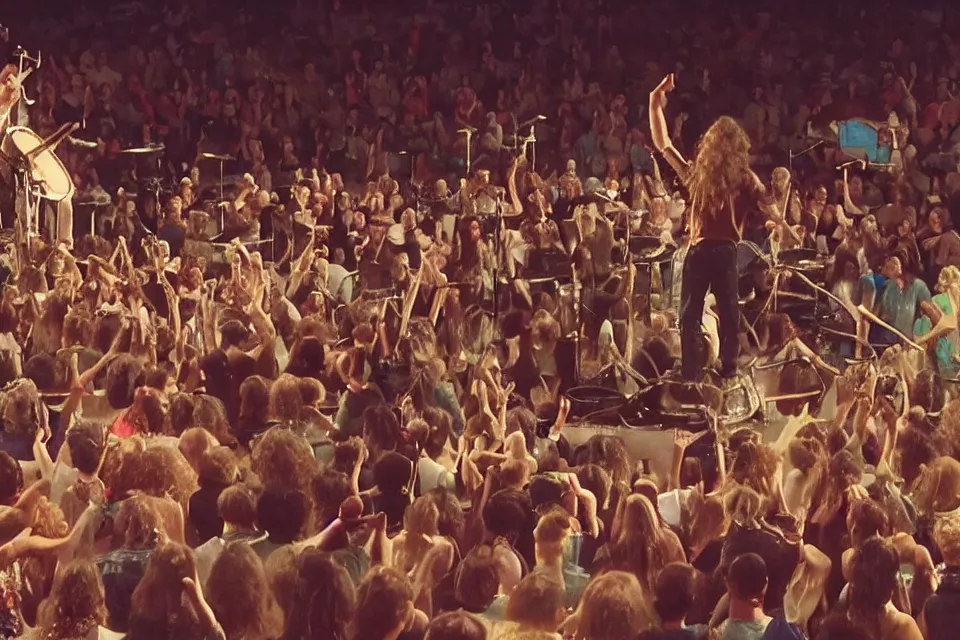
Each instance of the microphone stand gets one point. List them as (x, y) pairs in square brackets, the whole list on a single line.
[(496, 263), (801, 153), (469, 133), (533, 148)]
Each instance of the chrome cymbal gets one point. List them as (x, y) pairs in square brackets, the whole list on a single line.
[(141, 150)]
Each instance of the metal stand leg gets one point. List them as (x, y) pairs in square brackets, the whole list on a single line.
[(65, 222), (533, 149)]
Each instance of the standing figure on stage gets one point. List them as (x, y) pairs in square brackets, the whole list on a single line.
[(786, 196), (9, 94), (722, 190)]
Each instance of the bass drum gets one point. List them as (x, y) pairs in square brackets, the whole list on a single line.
[(48, 170)]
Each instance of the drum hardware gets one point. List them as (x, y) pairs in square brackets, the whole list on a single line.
[(154, 148), (531, 139), (497, 248), (94, 207), (526, 140), (23, 72), (468, 131), (413, 168), (803, 152), (40, 172), (221, 158), (862, 163), (532, 121)]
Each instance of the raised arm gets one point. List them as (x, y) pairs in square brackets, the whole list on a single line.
[(660, 131), (847, 202)]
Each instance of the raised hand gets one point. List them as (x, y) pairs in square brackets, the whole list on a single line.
[(659, 95)]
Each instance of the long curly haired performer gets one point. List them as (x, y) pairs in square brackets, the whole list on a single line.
[(722, 190)]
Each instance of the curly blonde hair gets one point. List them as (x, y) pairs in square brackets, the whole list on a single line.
[(718, 170), (949, 281)]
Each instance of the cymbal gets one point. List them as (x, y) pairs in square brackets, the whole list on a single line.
[(157, 148), (213, 156)]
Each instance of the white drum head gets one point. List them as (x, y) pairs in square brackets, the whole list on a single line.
[(48, 170)]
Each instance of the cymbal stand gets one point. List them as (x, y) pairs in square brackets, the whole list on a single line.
[(469, 133), (533, 148), (220, 206), (22, 71), (31, 201), (498, 249), (413, 163), (14, 166)]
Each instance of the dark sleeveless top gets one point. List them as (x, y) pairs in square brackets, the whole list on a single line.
[(716, 221), (942, 610)]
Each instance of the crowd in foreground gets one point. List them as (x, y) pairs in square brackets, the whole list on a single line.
[(347, 419)]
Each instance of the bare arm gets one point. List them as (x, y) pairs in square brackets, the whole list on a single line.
[(512, 186), (660, 131), (82, 380), (302, 267), (847, 202), (40, 453)]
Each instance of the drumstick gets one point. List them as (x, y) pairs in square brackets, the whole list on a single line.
[(793, 396), (58, 136), (869, 315)]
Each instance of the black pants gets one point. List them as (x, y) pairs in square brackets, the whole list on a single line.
[(710, 265)]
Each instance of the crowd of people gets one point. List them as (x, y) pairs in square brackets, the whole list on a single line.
[(334, 335)]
